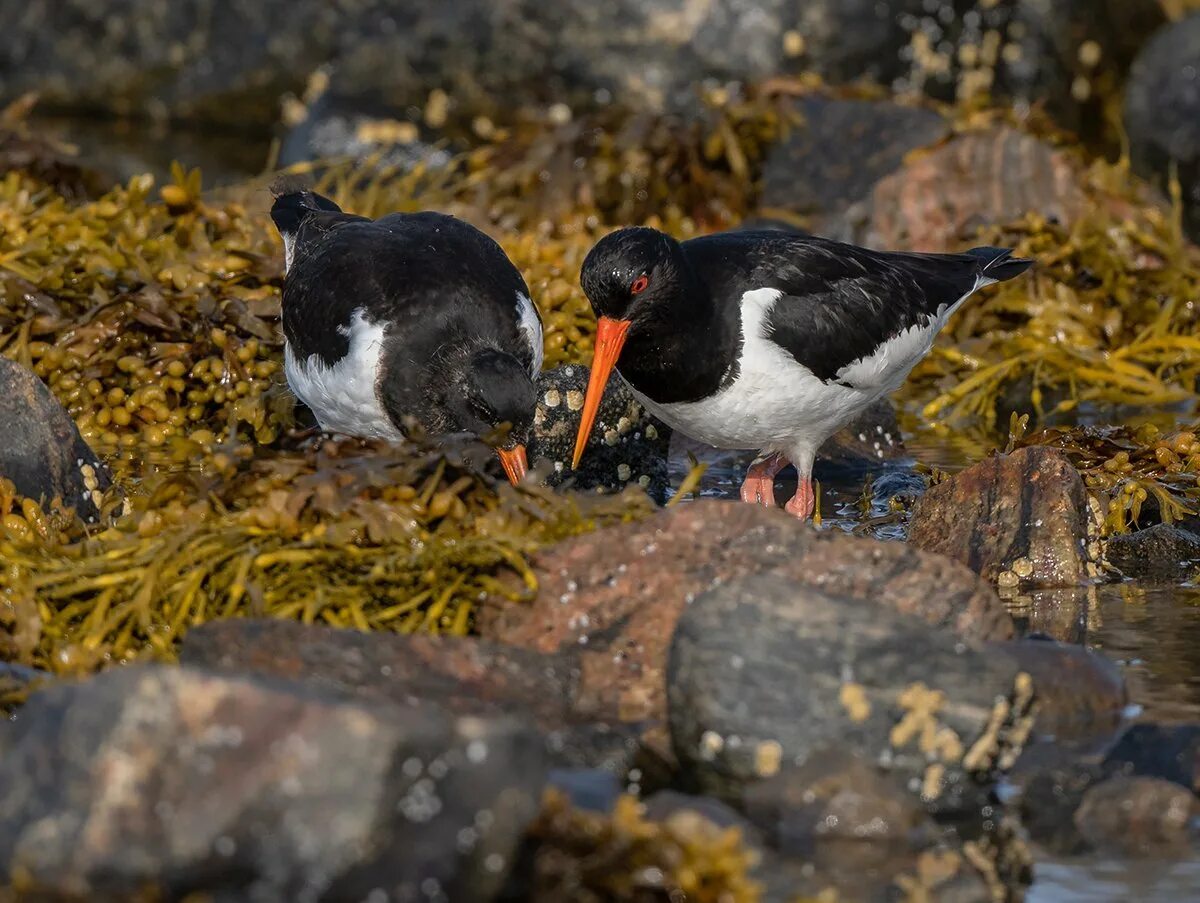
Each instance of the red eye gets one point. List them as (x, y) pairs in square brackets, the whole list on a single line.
[(639, 285)]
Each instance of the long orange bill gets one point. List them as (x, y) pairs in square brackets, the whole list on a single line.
[(610, 339), (515, 465)]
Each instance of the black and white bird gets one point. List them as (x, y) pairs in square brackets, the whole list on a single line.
[(768, 340), (411, 321)]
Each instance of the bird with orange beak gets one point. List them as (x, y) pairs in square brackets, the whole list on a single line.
[(410, 322), (767, 340)]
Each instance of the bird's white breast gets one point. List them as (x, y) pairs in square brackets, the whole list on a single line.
[(531, 327), (344, 397)]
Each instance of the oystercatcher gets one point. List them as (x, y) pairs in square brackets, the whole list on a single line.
[(767, 340), (412, 321)]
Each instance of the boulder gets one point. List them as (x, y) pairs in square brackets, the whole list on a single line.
[(940, 198), (1018, 519), (463, 675), (167, 782), (1170, 752), (766, 675), (1137, 816), (1159, 552), (627, 444), (1162, 111), (839, 151), (43, 454), (617, 593), (870, 439)]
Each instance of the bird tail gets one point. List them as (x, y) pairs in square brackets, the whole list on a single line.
[(295, 202), (998, 264)]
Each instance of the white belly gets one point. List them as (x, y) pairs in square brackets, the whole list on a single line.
[(344, 397)]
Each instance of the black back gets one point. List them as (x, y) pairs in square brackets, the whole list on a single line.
[(839, 302)]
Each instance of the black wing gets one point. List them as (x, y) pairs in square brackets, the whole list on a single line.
[(841, 302)]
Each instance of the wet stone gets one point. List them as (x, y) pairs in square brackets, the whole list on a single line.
[(1159, 552), (871, 438), (627, 445), (466, 676), (173, 781), (1137, 816), (42, 453), (616, 594), (766, 675), (1018, 520), (1170, 752)]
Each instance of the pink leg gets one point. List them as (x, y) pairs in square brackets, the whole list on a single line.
[(804, 501), (759, 486)]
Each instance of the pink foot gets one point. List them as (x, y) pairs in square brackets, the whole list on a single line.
[(759, 486), (803, 502)]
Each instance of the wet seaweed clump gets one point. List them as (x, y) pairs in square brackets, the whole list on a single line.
[(595, 858), (1109, 316), (1142, 475)]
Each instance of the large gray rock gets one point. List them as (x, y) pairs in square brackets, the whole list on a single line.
[(229, 60), (172, 781), (42, 452), (766, 674), (1162, 111)]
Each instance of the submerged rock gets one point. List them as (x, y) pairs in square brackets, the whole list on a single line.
[(871, 438), (42, 452), (616, 594), (940, 198), (1167, 751), (1162, 111), (1159, 552), (466, 676), (175, 781), (1139, 816), (765, 674), (627, 444), (1018, 519)]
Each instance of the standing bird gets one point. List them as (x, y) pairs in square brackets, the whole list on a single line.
[(412, 320), (767, 340)]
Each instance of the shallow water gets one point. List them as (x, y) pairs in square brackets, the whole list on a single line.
[(1151, 630)]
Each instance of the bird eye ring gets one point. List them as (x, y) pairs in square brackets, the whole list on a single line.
[(639, 284)]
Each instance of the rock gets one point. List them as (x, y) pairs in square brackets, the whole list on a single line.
[(627, 444), (1137, 816), (1170, 752), (840, 151), (616, 594), (1018, 519), (765, 674), (466, 676), (870, 438), (835, 796), (173, 781), (228, 62), (1081, 693), (1162, 111), (662, 805), (1046, 786), (941, 197), (42, 453), (1159, 552)]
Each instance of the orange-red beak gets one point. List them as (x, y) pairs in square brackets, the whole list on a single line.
[(515, 465), (610, 339)]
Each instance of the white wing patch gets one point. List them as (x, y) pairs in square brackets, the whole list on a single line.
[(344, 397), (886, 368), (530, 324)]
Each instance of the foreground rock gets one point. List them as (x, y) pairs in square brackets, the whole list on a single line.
[(1137, 816), (1018, 520), (465, 676), (616, 594), (1159, 552), (42, 452), (1162, 111), (765, 674), (169, 781), (627, 444), (941, 197)]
